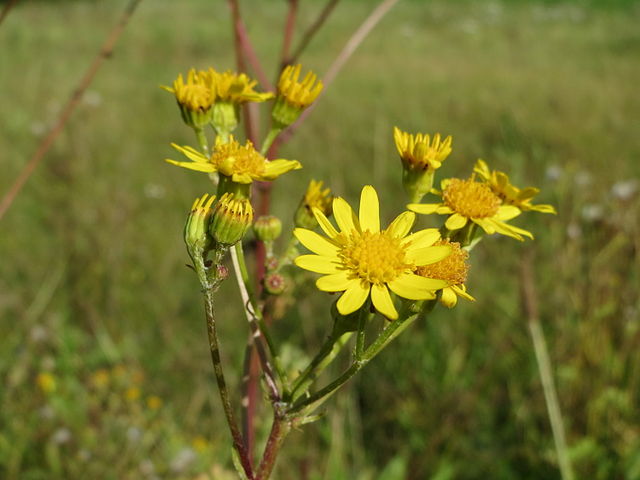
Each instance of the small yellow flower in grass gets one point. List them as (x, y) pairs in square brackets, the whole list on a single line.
[(470, 201), (132, 394), (452, 269), (46, 382), (508, 193), (314, 197), (362, 260), (240, 163), (421, 156), (154, 402), (195, 97), (100, 378), (294, 95), (200, 444)]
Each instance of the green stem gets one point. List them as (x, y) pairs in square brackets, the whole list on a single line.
[(551, 397), (208, 289), (388, 334), (325, 356), (256, 323), (268, 141), (362, 320)]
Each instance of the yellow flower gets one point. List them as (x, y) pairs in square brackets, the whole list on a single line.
[(196, 94), (154, 402), (100, 378), (421, 152), (235, 87), (46, 382), (468, 200), (293, 95), (314, 197), (361, 260), (132, 394), (296, 93), (242, 164), (453, 269), (508, 193)]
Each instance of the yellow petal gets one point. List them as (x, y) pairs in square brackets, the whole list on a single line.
[(486, 224), (275, 168), (402, 224), (324, 223), (353, 298), (336, 282), (415, 287), (344, 215), (241, 178), (369, 210), (421, 239), (507, 212), (424, 208), (382, 301), (511, 231), (461, 291), (428, 255), (449, 297), (198, 167), (316, 243), (455, 222), (191, 153), (317, 264)]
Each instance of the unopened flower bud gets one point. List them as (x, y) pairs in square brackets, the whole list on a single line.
[(267, 228), (294, 95), (275, 284), (196, 230), (232, 217)]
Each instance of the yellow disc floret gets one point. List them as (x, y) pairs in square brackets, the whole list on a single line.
[(470, 199), (453, 269), (377, 258), (232, 158)]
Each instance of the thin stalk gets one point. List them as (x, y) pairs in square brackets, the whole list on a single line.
[(310, 32), (388, 334), (252, 312), (5, 10), (279, 430), (288, 32), (324, 357), (202, 140), (208, 291), (543, 361), (105, 52), (271, 136), (360, 339)]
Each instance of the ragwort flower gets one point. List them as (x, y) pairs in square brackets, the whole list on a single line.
[(314, 197), (195, 97), (236, 88), (294, 95), (240, 163), (362, 260), (470, 201), (453, 269), (508, 193)]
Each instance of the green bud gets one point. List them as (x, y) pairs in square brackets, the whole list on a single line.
[(284, 113), (232, 218), (195, 118), (267, 228), (196, 230), (224, 117)]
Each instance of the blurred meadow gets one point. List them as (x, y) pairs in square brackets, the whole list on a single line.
[(104, 363)]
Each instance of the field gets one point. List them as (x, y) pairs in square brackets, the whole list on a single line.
[(104, 363)]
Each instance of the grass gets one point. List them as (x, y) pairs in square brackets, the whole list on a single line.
[(93, 283)]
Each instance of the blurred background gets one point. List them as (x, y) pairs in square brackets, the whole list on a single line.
[(104, 364)]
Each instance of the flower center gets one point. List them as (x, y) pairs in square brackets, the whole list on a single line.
[(453, 268), (245, 159), (471, 199), (374, 257), (196, 97)]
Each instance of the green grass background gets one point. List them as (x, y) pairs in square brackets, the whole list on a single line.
[(94, 291)]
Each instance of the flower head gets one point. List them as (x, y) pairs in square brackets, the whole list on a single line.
[(421, 156), (196, 230), (362, 260), (194, 97), (453, 269), (294, 95), (240, 163), (232, 217), (236, 88), (314, 197), (468, 200), (508, 193)]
